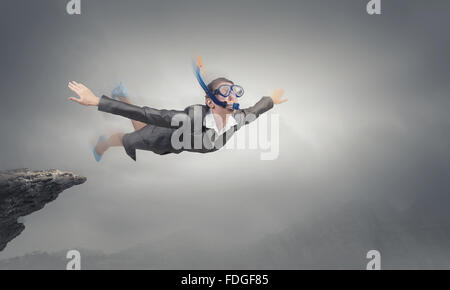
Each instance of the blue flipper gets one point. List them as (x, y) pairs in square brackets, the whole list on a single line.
[(120, 91), (97, 156)]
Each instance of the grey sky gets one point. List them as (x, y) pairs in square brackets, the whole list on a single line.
[(366, 126)]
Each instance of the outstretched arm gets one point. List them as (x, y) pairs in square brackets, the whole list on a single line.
[(87, 98), (277, 96), (161, 118), (246, 116)]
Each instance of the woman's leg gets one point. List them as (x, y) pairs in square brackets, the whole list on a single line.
[(136, 124), (150, 138), (115, 140)]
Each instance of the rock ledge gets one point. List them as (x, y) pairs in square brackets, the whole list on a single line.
[(23, 192)]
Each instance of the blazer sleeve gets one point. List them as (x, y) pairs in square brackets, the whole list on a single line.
[(246, 116), (160, 118)]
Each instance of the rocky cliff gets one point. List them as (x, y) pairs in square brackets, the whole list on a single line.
[(23, 191)]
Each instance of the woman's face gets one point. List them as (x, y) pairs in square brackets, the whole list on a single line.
[(230, 99)]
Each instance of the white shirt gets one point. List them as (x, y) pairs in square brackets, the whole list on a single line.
[(210, 122)]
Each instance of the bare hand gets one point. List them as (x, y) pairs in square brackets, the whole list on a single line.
[(199, 62), (277, 96), (87, 98)]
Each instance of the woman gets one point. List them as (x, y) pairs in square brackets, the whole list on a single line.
[(220, 117)]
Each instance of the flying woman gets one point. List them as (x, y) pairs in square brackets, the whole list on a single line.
[(160, 131)]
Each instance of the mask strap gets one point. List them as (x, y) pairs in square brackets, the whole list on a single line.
[(205, 88), (207, 91)]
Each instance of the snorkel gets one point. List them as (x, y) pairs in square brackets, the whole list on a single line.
[(197, 66)]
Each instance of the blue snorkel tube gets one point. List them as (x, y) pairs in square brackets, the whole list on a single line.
[(210, 94)]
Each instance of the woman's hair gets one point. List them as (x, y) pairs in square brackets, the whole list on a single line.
[(213, 85)]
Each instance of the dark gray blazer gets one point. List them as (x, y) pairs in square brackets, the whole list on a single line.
[(157, 135)]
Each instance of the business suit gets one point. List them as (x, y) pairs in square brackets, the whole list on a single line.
[(157, 135)]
